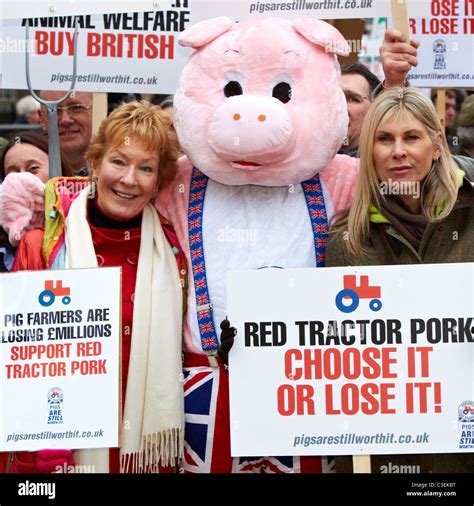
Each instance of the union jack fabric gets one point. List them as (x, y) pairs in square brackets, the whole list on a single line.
[(206, 403), (207, 428), (317, 213), (209, 340), (280, 465)]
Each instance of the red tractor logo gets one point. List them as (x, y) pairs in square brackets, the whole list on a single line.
[(51, 291), (355, 293)]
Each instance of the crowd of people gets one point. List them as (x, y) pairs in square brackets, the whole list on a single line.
[(396, 134)]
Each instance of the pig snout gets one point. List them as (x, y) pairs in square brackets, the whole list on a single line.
[(248, 131)]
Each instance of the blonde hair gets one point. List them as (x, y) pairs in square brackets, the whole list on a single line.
[(143, 123), (439, 186)]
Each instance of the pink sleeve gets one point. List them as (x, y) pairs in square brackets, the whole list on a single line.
[(172, 201), (340, 178)]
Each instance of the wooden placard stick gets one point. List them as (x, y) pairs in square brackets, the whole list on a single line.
[(361, 463), (99, 110), (400, 17), (441, 105)]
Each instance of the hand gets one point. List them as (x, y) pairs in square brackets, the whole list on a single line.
[(398, 57), (227, 340), (48, 461)]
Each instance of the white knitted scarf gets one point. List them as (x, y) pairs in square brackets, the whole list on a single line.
[(152, 425)]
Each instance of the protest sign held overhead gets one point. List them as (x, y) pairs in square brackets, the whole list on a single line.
[(138, 51), (59, 360), (446, 53), (383, 366)]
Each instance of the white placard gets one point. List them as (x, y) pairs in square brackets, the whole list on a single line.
[(119, 52), (138, 52), (59, 359), (446, 53), (409, 388)]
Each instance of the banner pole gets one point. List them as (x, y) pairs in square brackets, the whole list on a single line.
[(361, 464), (441, 105), (400, 17), (99, 110)]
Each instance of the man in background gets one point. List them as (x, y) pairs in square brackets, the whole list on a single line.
[(450, 110), (358, 83), (465, 131), (74, 124)]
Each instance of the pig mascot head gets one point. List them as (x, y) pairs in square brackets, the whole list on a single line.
[(260, 102)]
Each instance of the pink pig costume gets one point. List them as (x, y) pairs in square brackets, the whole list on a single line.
[(260, 114)]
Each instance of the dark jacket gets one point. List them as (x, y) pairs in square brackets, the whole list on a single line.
[(445, 241), (448, 240)]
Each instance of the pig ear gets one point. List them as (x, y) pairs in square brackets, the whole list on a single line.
[(204, 32), (322, 34)]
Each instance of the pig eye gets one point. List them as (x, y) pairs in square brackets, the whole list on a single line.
[(232, 88), (282, 92)]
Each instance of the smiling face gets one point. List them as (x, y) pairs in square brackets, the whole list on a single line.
[(27, 158), (127, 180), (403, 151), (266, 103)]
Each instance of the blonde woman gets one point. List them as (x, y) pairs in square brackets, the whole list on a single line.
[(413, 203)]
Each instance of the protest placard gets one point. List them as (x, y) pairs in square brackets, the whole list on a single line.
[(138, 52), (59, 359), (446, 53), (348, 361)]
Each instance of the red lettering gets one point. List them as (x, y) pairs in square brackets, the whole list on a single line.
[(351, 363), (130, 45), (409, 398), (387, 361), (424, 352), (350, 399), (312, 363), (370, 357), (332, 370), (108, 41), (435, 26), (330, 410), (445, 7), (385, 397), (290, 372), (151, 42), (93, 44), (285, 400), (369, 398), (304, 398), (41, 39), (166, 47)]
